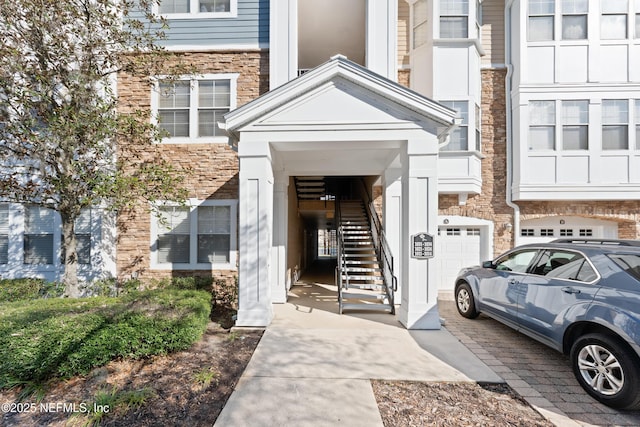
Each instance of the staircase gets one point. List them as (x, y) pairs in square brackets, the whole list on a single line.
[(363, 278)]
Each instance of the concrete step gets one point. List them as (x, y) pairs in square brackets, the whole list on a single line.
[(372, 296), (367, 307)]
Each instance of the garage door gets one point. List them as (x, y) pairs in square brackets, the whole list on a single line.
[(456, 247)]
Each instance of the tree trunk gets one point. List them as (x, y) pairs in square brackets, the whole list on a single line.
[(69, 246)]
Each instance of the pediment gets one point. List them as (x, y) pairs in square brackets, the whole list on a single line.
[(339, 94), (339, 102)]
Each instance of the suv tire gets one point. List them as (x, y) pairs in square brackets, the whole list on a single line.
[(607, 370), (464, 301)]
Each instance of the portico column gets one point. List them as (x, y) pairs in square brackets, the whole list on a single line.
[(419, 309), (255, 234), (391, 214), (279, 249)]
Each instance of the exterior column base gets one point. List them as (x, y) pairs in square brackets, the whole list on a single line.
[(428, 318), (255, 317)]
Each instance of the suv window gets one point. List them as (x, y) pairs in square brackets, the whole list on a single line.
[(564, 265), (517, 261), (629, 263)]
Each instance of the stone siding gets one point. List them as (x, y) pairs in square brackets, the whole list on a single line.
[(212, 167)]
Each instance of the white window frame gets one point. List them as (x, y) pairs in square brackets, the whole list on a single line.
[(4, 232), (196, 14), (572, 122), (193, 108), (636, 19), (552, 124), (421, 25), (621, 123), (636, 116), (455, 15), (193, 205), (463, 128), (547, 15), (613, 13), (574, 13)]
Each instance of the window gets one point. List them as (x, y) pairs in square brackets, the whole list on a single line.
[(214, 232), (541, 20), (420, 29), (566, 232), (4, 234), (174, 235), (192, 109), (637, 9), (198, 8), (615, 122), (637, 119), (195, 237), (574, 19), (586, 232), (517, 261), (629, 263), (546, 232), (454, 19), (454, 232), (575, 119), (82, 230), (38, 235), (564, 265), (478, 121), (473, 231), (542, 125), (459, 137), (613, 22), (527, 232)]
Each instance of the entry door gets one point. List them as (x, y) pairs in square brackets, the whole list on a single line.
[(456, 248)]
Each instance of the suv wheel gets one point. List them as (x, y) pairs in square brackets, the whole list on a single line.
[(607, 370), (464, 301)]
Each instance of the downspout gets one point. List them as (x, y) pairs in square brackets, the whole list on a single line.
[(509, 153)]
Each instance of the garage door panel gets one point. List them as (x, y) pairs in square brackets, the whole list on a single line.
[(456, 248)]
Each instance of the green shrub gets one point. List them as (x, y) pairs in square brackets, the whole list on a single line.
[(42, 339), (26, 289)]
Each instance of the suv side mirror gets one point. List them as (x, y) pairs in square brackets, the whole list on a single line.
[(488, 264)]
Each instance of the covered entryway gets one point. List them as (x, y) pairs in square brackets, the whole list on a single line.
[(337, 120)]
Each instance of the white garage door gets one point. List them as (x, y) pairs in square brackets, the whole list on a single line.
[(456, 247)]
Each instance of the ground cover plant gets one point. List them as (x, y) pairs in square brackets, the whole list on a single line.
[(52, 338)]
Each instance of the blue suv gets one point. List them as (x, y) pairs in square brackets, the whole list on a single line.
[(580, 297)]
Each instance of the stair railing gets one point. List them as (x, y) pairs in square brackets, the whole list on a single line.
[(341, 261), (383, 250)]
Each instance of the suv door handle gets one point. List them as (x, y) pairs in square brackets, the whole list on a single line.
[(513, 282), (570, 290)]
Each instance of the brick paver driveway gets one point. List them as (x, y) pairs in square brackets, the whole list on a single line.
[(541, 375)]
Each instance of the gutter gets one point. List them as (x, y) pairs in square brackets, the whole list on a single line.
[(509, 130)]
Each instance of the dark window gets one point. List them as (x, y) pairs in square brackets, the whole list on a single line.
[(564, 265), (629, 263)]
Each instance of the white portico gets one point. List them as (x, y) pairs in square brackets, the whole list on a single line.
[(339, 119)]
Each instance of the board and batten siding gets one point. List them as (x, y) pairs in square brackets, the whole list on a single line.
[(492, 32), (249, 29), (404, 27)]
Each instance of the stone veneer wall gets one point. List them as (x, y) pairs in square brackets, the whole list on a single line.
[(213, 167), (491, 203)]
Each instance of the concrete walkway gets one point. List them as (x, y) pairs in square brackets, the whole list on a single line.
[(313, 366)]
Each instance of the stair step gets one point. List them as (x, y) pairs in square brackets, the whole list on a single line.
[(352, 295), (363, 306), (363, 278), (358, 255), (354, 262), (363, 269), (366, 286)]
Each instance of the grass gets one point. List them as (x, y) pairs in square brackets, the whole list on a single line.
[(60, 338), (204, 377)]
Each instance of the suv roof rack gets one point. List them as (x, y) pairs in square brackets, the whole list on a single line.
[(612, 242)]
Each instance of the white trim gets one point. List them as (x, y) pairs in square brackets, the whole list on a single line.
[(196, 14), (193, 205), (213, 48), (193, 108)]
